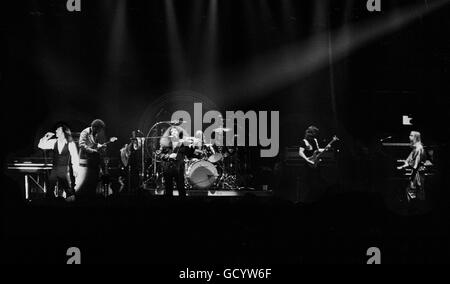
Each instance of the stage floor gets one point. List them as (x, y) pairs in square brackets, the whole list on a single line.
[(215, 193)]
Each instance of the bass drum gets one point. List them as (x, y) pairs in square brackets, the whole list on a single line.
[(202, 175)]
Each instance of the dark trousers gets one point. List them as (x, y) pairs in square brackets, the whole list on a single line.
[(87, 180), (60, 176), (312, 186), (171, 173)]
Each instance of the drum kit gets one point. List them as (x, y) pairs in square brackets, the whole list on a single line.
[(207, 166)]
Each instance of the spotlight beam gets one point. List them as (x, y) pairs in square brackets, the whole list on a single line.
[(118, 39), (195, 24), (210, 50), (273, 71), (178, 65)]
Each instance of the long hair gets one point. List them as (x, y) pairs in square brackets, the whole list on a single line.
[(98, 124), (166, 140), (66, 130), (311, 133), (417, 136)]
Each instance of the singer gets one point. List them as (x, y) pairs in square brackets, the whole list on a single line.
[(172, 152), (65, 161)]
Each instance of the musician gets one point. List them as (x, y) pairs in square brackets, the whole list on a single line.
[(199, 148), (310, 144), (310, 177), (199, 139), (172, 153), (135, 146), (219, 145), (92, 147), (416, 162), (65, 160), (131, 156)]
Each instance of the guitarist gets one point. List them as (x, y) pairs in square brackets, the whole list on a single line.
[(92, 147), (310, 177), (310, 144)]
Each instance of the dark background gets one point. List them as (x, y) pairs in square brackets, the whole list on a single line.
[(125, 61), (115, 59)]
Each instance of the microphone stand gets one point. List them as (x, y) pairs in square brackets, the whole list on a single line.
[(144, 143), (143, 163), (47, 174)]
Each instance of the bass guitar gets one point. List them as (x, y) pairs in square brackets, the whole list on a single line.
[(316, 157)]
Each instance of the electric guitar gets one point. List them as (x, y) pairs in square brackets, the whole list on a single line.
[(316, 157), (111, 140), (102, 147), (84, 171)]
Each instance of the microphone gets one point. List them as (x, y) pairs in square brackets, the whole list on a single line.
[(387, 138), (174, 122), (177, 122)]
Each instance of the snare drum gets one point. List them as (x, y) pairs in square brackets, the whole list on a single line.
[(202, 175)]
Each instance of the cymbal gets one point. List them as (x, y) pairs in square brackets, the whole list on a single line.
[(222, 130), (184, 139)]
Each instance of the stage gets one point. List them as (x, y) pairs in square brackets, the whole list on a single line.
[(323, 117), (238, 230), (215, 193)]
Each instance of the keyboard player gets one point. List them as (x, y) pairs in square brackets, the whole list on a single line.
[(416, 162)]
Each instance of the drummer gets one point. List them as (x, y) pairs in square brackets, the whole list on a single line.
[(199, 139), (201, 150), (219, 146)]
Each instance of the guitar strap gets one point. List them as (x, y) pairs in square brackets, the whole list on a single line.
[(317, 144), (309, 145)]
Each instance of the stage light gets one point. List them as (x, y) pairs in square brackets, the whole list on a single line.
[(210, 48), (118, 39), (177, 59)]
